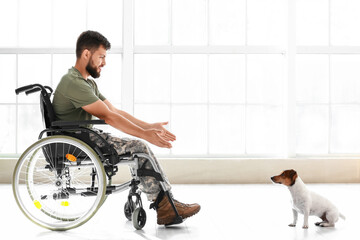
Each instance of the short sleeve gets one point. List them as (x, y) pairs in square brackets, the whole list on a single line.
[(81, 94), (102, 97)]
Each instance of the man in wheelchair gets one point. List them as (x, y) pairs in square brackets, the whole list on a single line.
[(77, 98)]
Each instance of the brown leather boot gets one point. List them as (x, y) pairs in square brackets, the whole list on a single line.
[(166, 214)]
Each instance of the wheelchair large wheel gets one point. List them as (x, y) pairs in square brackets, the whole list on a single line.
[(59, 182)]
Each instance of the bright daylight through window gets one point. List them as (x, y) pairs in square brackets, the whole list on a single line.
[(222, 72)]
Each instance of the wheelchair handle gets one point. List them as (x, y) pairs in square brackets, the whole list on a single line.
[(32, 88), (32, 91), (24, 88)]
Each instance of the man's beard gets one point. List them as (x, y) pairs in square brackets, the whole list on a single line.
[(92, 70)]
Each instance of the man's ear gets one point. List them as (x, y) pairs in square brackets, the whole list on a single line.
[(86, 54)]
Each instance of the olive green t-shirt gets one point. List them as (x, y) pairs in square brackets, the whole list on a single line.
[(72, 93)]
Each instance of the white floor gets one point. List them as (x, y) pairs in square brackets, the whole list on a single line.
[(228, 212)]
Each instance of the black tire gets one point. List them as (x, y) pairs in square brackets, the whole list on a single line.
[(129, 208)]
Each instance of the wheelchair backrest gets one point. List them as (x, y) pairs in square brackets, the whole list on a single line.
[(47, 109)]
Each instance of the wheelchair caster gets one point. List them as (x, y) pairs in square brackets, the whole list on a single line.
[(129, 209), (139, 218)]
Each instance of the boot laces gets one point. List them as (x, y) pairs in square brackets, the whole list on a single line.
[(180, 203)]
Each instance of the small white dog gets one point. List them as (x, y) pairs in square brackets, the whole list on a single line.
[(307, 202)]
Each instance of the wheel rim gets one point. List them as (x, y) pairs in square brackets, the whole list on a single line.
[(51, 196)]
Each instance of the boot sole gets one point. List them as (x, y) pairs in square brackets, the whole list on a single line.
[(167, 221)]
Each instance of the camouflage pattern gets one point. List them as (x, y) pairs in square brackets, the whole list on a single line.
[(149, 185)]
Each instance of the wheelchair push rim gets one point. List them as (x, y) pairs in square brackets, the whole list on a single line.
[(59, 182)]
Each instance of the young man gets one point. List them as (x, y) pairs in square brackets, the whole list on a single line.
[(78, 98)]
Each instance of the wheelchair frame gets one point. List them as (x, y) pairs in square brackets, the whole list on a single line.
[(108, 156)]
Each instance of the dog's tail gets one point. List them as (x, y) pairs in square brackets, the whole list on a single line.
[(342, 216)]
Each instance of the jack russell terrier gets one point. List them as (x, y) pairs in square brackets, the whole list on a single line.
[(307, 202)]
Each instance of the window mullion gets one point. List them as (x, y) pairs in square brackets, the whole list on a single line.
[(127, 84), (330, 85), (290, 79)]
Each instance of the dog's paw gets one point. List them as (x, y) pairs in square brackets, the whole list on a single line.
[(292, 225), (305, 227), (325, 224)]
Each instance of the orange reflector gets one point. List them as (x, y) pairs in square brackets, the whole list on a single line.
[(70, 157)]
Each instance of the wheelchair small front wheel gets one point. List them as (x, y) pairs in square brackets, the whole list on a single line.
[(59, 182), (129, 208), (139, 218)]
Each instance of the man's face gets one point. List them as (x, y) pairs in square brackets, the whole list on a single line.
[(96, 62)]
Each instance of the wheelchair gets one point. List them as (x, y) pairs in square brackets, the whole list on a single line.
[(62, 180)]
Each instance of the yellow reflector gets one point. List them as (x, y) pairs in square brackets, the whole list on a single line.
[(64, 203), (37, 204), (70, 157)]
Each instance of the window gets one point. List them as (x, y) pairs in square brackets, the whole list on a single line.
[(219, 102), (234, 78), (40, 48), (327, 96)]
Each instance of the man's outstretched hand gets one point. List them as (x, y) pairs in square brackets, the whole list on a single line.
[(159, 136), (165, 134)]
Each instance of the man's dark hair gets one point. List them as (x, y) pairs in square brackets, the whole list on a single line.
[(91, 40)]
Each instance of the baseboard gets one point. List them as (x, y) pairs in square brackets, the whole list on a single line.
[(237, 171)]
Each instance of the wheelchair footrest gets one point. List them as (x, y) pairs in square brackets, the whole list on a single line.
[(94, 191)]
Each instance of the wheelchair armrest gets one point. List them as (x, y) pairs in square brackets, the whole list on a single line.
[(76, 123)]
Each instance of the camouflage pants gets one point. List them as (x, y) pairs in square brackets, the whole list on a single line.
[(148, 185)]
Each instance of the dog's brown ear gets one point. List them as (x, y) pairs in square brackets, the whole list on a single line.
[(293, 175)]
